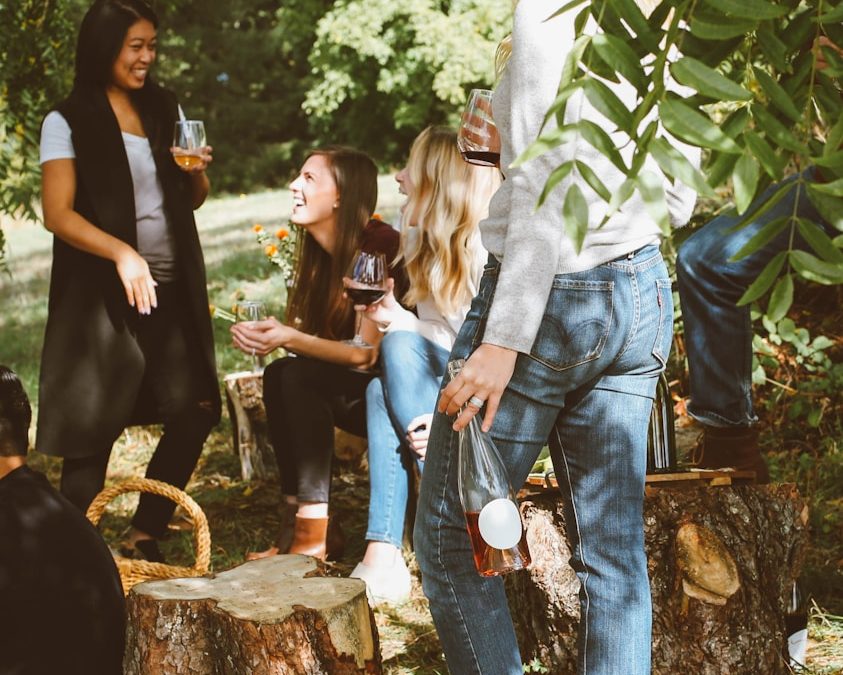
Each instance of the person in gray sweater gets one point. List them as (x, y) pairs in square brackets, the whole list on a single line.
[(563, 346)]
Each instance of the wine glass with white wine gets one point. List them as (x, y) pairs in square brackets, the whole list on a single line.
[(249, 311), (188, 140)]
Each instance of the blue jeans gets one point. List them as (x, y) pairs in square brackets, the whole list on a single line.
[(587, 386), (411, 370), (718, 333)]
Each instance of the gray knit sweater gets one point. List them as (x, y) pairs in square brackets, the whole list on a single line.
[(532, 245)]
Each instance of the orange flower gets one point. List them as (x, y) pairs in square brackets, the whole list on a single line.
[(377, 216), (282, 233), (257, 227), (270, 250)]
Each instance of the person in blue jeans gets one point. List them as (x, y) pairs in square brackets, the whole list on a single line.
[(718, 333), (562, 342), (443, 257)]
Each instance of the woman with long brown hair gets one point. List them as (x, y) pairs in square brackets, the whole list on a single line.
[(322, 384)]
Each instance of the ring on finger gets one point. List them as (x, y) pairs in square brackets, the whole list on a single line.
[(476, 401)]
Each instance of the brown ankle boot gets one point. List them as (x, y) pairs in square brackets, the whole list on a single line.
[(284, 538), (309, 537), (731, 447)]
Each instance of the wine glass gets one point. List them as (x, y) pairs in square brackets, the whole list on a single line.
[(478, 139), (365, 284), (248, 311), (188, 139)]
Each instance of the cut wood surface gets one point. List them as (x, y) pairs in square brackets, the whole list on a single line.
[(722, 561), (278, 616)]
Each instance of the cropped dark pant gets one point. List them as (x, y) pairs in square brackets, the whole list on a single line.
[(305, 399), (177, 381)]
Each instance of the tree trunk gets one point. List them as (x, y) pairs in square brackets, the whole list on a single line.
[(722, 561), (278, 616)]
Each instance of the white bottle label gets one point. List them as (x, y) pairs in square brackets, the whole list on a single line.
[(796, 646), (500, 524)]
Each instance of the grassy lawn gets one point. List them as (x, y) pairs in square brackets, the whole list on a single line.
[(243, 515)]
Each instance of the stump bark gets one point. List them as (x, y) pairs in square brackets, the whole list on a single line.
[(722, 561), (278, 616)]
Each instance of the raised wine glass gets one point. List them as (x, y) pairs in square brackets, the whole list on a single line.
[(249, 311), (478, 139), (188, 140), (365, 284)]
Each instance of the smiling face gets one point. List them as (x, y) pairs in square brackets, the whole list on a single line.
[(315, 195), (131, 66)]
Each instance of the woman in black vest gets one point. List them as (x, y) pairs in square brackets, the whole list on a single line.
[(128, 337)]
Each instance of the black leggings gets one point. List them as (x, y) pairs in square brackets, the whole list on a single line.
[(175, 378), (305, 399)]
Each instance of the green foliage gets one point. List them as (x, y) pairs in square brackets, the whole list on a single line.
[(760, 108), (383, 70)]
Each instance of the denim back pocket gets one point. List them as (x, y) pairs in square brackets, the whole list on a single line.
[(576, 323), (664, 331)]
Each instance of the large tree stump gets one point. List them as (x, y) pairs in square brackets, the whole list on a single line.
[(722, 562), (278, 616)]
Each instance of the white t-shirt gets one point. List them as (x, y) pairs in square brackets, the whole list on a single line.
[(155, 239)]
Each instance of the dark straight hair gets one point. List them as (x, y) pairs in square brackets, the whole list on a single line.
[(101, 38), (15, 415)]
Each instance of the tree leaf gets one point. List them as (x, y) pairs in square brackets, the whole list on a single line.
[(601, 141), (830, 208), (833, 161), (557, 176), (651, 189), (572, 61), (707, 81), (832, 16), (745, 181), (780, 299), (606, 102), (721, 168), (621, 196), (749, 9), (773, 48), (813, 269), (762, 206), (819, 241), (692, 126), (713, 26), (835, 188), (674, 164), (762, 284), (835, 138), (594, 181), (620, 56), (776, 131), (558, 106), (769, 160), (545, 142), (777, 94), (766, 234), (575, 215), (565, 8)]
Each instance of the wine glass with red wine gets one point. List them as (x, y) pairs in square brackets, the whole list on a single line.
[(365, 284), (478, 139)]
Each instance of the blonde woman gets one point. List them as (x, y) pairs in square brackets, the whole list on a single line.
[(564, 345), (443, 259)]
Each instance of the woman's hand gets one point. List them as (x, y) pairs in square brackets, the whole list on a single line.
[(418, 431), (203, 154), (484, 376), (259, 338), (137, 281), (384, 311)]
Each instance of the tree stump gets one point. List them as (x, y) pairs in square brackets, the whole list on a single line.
[(244, 397), (722, 561), (278, 616)]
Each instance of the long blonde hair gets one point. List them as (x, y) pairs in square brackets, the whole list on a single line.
[(448, 199)]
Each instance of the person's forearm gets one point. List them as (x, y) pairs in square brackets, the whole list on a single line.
[(80, 233), (200, 186), (332, 351)]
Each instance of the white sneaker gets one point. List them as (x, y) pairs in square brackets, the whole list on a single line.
[(390, 585)]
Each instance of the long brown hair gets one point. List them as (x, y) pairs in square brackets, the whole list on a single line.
[(315, 304)]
